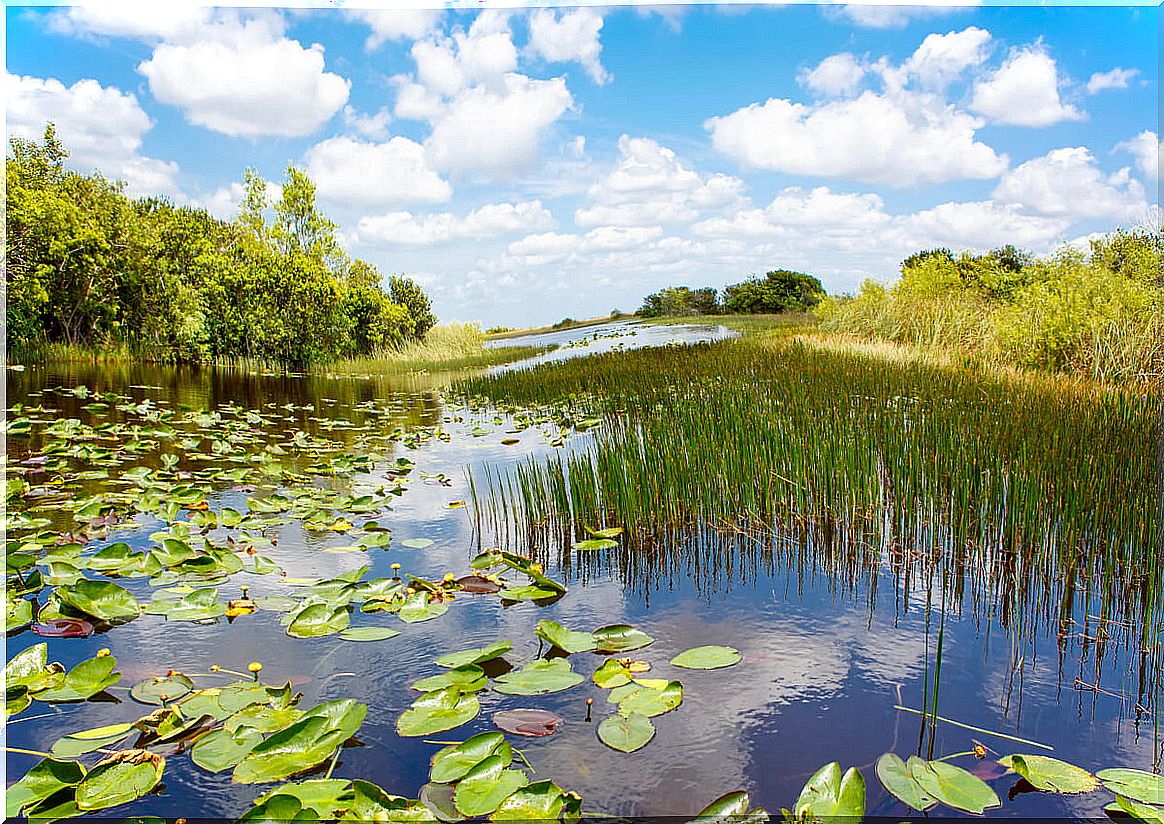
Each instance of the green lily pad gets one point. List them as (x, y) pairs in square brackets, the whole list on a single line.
[(317, 620), (594, 544), (30, 669), (370, 803), (564, 639), (538, 678), (651, 701), (953, 786), (417, 543), (418, 608), (454, 762), (48, 777), (1051, 774), (529, 592), (436, 711), (299, 747), (123, 777), (17, 614), (607, 532), (368, 633), (626, 733), (486, 785), (707, 658), (476, 655), (613, 673), (540, 801), (83, 681), (86, 741), (828, 794), (1137, 810), (322, 796), (466, 678), (101, 599), (224, 749), (199, 605), (161, 689), (897, 777), (1137, 785), (620, 638), (736, 807)]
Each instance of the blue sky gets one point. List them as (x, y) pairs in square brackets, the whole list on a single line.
[(531, 164)]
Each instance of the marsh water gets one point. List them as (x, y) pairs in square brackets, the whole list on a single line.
[(826, 656)]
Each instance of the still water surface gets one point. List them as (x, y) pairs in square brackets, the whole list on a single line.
[(825, 660)]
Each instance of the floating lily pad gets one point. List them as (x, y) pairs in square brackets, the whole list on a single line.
[(368, 633), (533, 723), (651, 700), (607, 532), (79, 743), (538, 678), (161, 689), (540, 801), (454, 762), (101, 599), (199, 605), (83, 681), (62, 627), (620, 638), (897, 776), (829, 794), (417, 543), (466, 678), (123, 777), (48, 777), (707, 658), (436, 711), (529, 592), (478, 585), (317, 620), (1137, 785), (1137, 810), (224, 749), (594, 544), (299, 747), (953, 786), (486, 785), (419, 608), (476, 655), (612, 673), (735, 807), (564, 639), (626, 733), (18, 615), (1051, 774)]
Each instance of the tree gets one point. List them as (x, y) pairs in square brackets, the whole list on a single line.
[(780, 290), (404, 291), (678, 301)]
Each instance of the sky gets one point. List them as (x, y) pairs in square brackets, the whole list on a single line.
[(530, 164)]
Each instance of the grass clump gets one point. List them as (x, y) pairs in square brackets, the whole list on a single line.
[(447, 347)]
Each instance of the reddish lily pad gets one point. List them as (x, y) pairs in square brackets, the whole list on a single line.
[(478, 585), (534, 723), (63, 628)]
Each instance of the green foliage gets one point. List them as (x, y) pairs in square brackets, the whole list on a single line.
[(90, 267), (679, 300), (1095, 313), (778, 291)]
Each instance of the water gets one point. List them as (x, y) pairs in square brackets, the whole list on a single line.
[(607, 337), (826, 658)]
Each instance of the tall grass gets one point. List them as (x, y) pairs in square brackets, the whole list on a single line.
[(447, 347)]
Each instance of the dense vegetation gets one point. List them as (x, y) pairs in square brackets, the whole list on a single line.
[(1096, 313), (89, 266), (778, 291)]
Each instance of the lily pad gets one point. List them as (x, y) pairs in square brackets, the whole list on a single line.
[(44, 780), (83, 681), (418, 608), (1051, 774), (454, 762), (101, 599), (224, 749), (486, 785), (651, 701), (607, 532), (436, 711), (299, 747), (736, 807), (828, 794), (62, 627), (626, 733), (540, 801), (594, 544), (475, 655), (564, 639), (417, 543), (539, 677), (199, 605), (161, 689), (1137, 785), (317, 620), (123, 777), (466, 678), (953, 786), (897, 777), (368, 633), (613, 673), (86, 741), (620, 638), (1137, 810), (707, 658), (533, 723)]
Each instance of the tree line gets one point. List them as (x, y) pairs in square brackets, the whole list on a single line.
[(778, 291), (89, 266)]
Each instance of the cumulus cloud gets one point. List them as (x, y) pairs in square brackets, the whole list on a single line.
[(980, 225), (224, 201), (1069, 183), (245, 79), (1145, 148), (837, 75), (405, 229), (1024, 91), (397, 24), (1117, 78), (900, 141), (131, 19), (368, 125), (649, 185), (101, 126), (363, 173), (942, 58), (875, 15), (570, 36)]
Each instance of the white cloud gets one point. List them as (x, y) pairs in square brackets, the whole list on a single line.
[(244, 79), (572, 36), (129, 18), (484, 54), (397, 24), (224, 201), (1024, 91), (487, 133), (900, 141), (942, 58), (1145, 148), (874, 15), (1117, 78), (101, 127), (980, 225), (491, 220), (362, 173), (368, 125), (650, 185), (837, 75), (1068, 183)]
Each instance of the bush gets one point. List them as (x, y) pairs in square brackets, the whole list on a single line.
[(778, 291)]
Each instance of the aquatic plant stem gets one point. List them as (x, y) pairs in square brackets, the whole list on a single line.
[(28, 752), (976, 729)]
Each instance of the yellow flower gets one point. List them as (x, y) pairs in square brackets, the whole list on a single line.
[(255, 666), (214, 667), (101, 653)]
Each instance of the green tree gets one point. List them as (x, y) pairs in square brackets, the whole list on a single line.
[(406, 292), (780, 290)]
